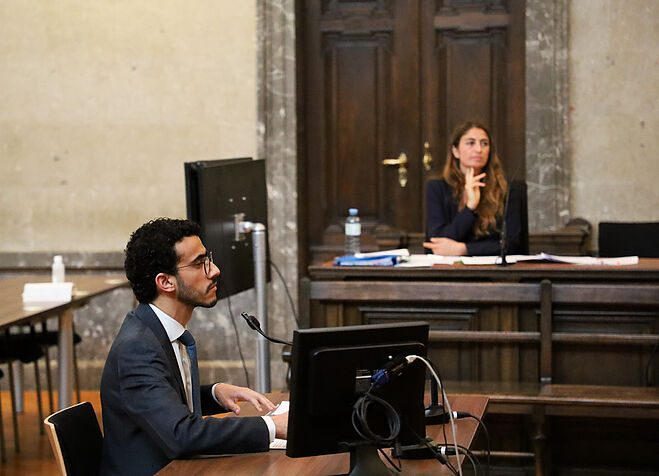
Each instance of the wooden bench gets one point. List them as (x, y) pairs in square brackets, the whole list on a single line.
[(545, 398)]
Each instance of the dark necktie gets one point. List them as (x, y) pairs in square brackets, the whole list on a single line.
[(188, 341)]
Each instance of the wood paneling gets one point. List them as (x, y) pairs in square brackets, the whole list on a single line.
[(378, 78)]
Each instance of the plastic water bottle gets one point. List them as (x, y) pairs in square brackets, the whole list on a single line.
[(58, 269), (353, 232)]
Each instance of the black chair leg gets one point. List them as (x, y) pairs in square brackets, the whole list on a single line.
[(49, 381), (76, 373), (37, 383), (14, 414)]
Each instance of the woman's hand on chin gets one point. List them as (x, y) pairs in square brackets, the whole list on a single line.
[(473, 186)]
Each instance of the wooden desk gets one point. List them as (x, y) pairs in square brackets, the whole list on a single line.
[(276, 463), (646, 270), (13, 313), (471, 308)]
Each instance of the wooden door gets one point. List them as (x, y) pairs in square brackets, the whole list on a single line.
[(380, 78)]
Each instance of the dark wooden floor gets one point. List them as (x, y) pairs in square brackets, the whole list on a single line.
[(35, 456)]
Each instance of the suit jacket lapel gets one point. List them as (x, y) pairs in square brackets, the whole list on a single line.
[(149, 318)]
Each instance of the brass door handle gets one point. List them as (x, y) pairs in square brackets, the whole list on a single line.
[(401, 161), (427, 158)]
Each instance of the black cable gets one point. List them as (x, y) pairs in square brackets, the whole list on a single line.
[(398, 467), (290, 299), (438, 456), (473, 460), (449, 450), (360, 423), (441, 388), (240, 349), (487, 439)]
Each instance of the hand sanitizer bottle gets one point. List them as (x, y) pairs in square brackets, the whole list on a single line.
[(58, 269)]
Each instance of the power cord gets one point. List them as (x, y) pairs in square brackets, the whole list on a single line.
[(450, 451), (433, 449), (361, 427), (240, 349), (290, 299), (235, 328), (360, 423), (431, 368), (487, 439)]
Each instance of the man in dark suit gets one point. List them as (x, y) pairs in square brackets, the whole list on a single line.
[(151, 399)]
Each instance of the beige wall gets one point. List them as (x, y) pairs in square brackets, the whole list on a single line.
[(614, 119), (103, 101)]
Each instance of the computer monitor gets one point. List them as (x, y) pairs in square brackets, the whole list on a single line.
[(332, 367), (216, 192)]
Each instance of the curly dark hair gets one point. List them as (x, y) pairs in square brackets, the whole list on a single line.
[(150, 251)]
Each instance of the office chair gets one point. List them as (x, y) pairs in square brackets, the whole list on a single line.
[(48, 339), (628, 239), (76, 440), (3, 454)]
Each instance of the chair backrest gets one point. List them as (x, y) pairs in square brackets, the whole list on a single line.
[(76, 439), (629, 239)]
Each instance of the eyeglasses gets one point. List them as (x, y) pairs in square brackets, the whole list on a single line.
[(206, 262)]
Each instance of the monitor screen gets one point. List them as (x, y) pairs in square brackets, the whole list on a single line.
[(216, 192), (330, 370)]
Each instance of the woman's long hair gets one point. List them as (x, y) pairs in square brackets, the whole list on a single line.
[(492, 195)]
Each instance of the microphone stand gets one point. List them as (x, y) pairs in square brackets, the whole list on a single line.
[(434, 411), (503, 240), (259, 257)]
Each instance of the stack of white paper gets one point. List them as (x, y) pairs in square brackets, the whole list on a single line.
[(38, 293)]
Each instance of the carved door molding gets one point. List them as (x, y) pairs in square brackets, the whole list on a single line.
[(380, 78)]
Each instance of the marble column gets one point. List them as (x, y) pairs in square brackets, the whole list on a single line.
[(547, 135), (277, 144)]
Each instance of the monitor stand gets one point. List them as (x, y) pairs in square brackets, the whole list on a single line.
[(365, 461)]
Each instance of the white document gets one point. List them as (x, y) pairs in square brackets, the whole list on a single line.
[(582, 260), (375, 254), (426, 261), (591, 260)]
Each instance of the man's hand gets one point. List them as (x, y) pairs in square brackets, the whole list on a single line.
[(446, 247), (230, 395), (281, 425)]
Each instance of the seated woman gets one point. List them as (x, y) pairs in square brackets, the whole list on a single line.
[(465, 207)]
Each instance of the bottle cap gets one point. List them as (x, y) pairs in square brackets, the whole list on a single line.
[(352, 212), (57, 259)]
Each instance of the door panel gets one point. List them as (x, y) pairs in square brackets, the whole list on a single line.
[(379, 78)]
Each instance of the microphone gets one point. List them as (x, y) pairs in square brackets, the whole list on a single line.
[(503, 239), (254, 323)]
